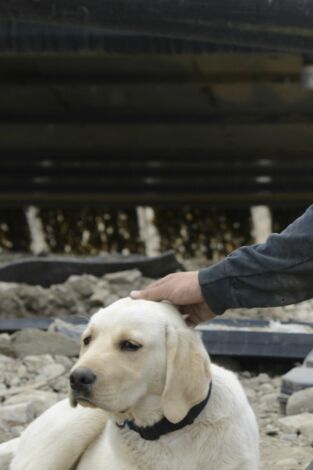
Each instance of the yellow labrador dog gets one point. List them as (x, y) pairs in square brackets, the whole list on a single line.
[(143, 396)]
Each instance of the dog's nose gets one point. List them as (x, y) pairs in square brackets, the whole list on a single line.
[(82, 378)]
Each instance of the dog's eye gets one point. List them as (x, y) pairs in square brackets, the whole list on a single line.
[(87, 340), (129, 346)]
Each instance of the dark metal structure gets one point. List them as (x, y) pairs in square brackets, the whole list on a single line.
[(172, 103), (283, 25)]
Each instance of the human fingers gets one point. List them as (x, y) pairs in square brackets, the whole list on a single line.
[(156, 292)]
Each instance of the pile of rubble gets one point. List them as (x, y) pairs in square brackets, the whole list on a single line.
[(79, 295), (83, 295), (32, 381), (34, 368)]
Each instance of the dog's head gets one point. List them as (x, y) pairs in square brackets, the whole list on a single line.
[(136, 348)]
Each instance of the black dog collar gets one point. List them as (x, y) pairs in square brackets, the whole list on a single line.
[(164, 426)]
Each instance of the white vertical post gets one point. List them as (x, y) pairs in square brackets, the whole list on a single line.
[(261, 223), (148, 232), (38, 242)]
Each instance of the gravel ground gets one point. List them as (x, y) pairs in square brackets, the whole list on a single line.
[(34, 366), (33, 383)]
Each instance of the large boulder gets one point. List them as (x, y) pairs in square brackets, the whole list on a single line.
[(300, 402), (35, 342)]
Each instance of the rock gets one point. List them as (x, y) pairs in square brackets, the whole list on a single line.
[(5, 432), (287, 463), (61, 385), (65, 361), (6, 347), (40, 400), (110, 299), (294, 423), (82, 285), (35, 364), (309, 360), (266, 388), (270, 401), (271, 430), (36, 342), (100, 294), (246, 374), (250, 393), (300, 402), (263, 378), (307, 431), (67, 329), (21, 413), (53, 370), (128, 276)]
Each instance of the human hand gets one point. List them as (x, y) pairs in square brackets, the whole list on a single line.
[(183, 290)]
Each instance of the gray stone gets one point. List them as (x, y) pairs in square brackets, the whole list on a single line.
[(296, 379), (35, 364), (5, 432), (300, 402), (100, 295), (36, 342), (289, 463), (21, 413), (40, 400), (128, 276), (111, 299), (294, 423), (307, 431), (271, 430), (270, 401), (82, 285), (67, 329), (263, 378), (65, 361), (53, 370), (6, 347), (309, 360), (61, 385), (266, 388)]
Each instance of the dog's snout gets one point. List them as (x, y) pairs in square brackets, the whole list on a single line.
[(81, 379)]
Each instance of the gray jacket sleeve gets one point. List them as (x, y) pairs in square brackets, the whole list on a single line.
[(277, 272)]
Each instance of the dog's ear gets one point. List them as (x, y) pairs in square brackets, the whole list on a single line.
[(188, 373)]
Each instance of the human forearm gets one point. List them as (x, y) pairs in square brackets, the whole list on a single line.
[(278, 272)]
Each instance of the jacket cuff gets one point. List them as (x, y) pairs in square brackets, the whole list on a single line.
[(216, 288)]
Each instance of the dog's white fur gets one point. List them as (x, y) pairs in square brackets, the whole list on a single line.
[(169, 374)]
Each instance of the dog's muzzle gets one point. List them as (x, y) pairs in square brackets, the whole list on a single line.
[(82, 380)]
